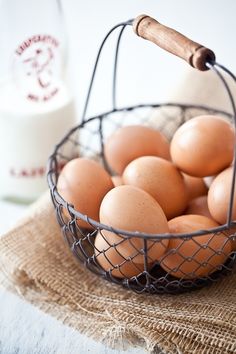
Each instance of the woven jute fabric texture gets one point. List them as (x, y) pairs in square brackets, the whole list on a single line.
[(36, 264)]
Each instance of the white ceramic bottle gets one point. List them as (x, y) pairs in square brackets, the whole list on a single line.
[(36, 104)]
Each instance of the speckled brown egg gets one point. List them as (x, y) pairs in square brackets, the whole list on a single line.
[(132, 209), (83, 183), (117, 180), (219, 196), (195, 186), (111, 260), (208, 180), (162, 180), (231, 233), (198, 256), (129, 142), (198, 206), (203, 146)]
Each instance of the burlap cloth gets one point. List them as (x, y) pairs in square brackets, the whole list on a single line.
[(35, 263)]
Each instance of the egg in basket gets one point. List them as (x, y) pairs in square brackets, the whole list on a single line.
[(147, 205)]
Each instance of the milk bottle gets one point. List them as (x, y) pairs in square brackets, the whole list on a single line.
[(36, 104)]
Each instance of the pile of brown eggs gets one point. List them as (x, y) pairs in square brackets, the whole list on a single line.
[(158, 187)]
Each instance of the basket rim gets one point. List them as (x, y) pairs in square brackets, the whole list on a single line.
[(58, 200)]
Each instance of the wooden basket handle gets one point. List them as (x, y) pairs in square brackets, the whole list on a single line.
[(174, 42)]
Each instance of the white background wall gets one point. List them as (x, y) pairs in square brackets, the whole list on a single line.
[(146, 73)]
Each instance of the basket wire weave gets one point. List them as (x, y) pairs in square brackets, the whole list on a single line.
[(88, 139)]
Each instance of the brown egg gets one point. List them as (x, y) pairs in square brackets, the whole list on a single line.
[(132, 209), (112, 261), (234, 241), (198, 256), (130, 142), (231, 233), (198, 206), (219, 196), (203, 146), (83, 183), (162, 180), (208, 180), (195, 186), (117, 181)]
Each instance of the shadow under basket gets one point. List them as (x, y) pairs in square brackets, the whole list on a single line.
[(140, 270)]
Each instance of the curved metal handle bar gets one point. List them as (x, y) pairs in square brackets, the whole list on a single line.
[(123, 25)]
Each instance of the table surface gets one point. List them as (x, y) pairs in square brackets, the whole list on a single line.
[(25, 329)]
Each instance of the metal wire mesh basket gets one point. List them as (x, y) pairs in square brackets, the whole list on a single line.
[(148, 274)]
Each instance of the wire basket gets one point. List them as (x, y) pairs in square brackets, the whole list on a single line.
[(147, 274)]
